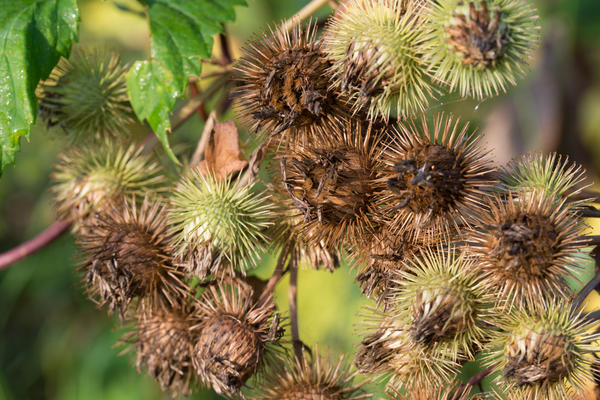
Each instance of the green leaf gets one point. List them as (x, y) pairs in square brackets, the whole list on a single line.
[(152, 95), (181, 37), (33, 36)]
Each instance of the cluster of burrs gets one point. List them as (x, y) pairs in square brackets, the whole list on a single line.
[(464, 260)]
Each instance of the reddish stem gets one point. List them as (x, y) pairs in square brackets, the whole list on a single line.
[(292, 296), (277, 274), (29, 247)]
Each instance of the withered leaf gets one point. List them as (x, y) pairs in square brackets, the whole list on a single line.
[(222, 156)]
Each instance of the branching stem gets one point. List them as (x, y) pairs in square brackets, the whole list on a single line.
[(278, 273), (31, 246)]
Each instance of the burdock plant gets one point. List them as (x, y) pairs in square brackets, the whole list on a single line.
[(218, 226), (544, 352), (480, 47), (87, 177), (437, 178), (286, 85), (463, 261), (377, 62), (86, 96)]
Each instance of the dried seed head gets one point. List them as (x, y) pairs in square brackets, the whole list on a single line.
[(215, 222), (164, 340), (552, 173), (285, 84), (86, 178), (317, 256), (87, 96), (526, 247), (235, 332), (451, 391), (126, 256), (330, 186), (318, 379), (374, 47), (480, 46), (544, 352), (390, 351), (380, 261), (437, 179), (444, 303)]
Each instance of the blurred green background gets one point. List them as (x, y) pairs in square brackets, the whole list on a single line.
[(54, 344)]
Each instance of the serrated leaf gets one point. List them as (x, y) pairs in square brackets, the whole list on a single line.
[(181, 37), (33, 36), (152, 95)]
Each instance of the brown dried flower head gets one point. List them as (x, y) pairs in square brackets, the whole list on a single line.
[(315, 379), (285, 84), (526, 247), (164, 340), (330, 186), (437, 179), (452, 391), (235, 331), (379, 262), (126, 256)]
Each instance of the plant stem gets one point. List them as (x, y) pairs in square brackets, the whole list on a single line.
[(304, 13), (226, 52), (278, 273), (208, 128), (589, 212), (292, 296), (31, 246), (584, 293)]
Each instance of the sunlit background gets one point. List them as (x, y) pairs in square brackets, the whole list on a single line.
[(54, 343)]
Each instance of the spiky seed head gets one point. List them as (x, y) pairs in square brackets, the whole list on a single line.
[(526, 248), (374, 47), (164, 340), (87, 96), (217, 222), (86, 178), (452, 391), (551, 173), (235, 333), (318, 256), (126, 256), (330, 186), (317, 379), (480, 47), (389, 351), (285, 84), (380, 261), (437, 179), (444, 303), (544, 351)]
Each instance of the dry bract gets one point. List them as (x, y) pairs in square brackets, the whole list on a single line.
[(126, 256), (526, 246), (330, 186), (235, 333), (285, 85), (315, 379), (164, 341), (437, 179)]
